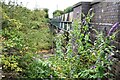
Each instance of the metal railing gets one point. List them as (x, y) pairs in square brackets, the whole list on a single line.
[(63, 25)]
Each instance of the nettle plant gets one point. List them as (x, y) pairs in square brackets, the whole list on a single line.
[(87, 59)]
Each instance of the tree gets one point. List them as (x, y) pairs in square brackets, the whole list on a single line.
[(57, 13), (46, 10), (68, 9)]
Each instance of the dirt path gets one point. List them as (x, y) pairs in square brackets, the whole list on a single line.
[(46, 53)]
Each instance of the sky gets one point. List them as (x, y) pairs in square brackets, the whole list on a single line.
[(52, 5)]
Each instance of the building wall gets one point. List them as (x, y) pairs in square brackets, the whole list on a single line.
[(83, 7), (106, 13), (76, 12)]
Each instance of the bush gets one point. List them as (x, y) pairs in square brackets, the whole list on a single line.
[(40, 69), (24, 32), (84, 58)]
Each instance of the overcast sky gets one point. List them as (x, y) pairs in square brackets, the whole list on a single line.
[(52, 5)]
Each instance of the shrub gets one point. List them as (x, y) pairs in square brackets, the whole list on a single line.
[(40, 69), (19, 39), (84, 58)]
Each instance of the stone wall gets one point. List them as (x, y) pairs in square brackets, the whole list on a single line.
[(76, 11), (81, 7), (106, 13)]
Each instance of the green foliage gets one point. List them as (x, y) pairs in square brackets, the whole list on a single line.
[(68, 9), (57, 13), (40, 69), (10, 64), (33, 67), (46, 10), (39, 39), (83, 58), (24, 32), (59, 47), (24, 22)]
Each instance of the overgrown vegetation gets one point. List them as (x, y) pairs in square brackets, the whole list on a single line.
[(68, 9), (24, 32), (60, 12), (84, 59), (57, 13)]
